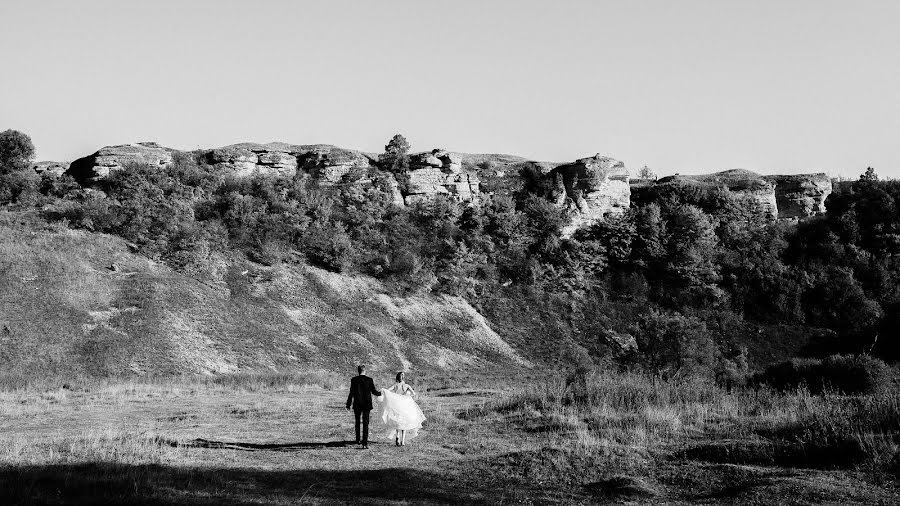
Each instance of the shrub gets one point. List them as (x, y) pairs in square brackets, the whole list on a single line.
[(848, 374), (788, 375), (268, 253), (856, 374), (62, 186), (93, 212), (19, 186), (579, 364), (673, 344), (733, 372), (327, 244)]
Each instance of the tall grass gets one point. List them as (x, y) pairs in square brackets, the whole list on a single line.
[(246, 381), (285, 380), (96, 446), (634, 416)]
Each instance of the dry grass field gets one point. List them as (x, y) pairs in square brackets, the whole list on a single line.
[(283, 439)]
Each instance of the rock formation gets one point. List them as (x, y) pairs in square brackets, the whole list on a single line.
[(592, 188), (745, 185), (439, 172), (801, 195), (751, 187), (244, 160), (99, 165), (330, 164), (448, 162), (781, 196), (326, 163)]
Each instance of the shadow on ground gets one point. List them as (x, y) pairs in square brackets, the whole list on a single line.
[(277, 447), (158, 484), (836, 454)]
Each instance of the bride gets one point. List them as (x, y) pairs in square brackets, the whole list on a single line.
[(399, 412)]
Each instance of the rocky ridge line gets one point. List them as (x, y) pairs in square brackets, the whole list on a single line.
[(589, 188)]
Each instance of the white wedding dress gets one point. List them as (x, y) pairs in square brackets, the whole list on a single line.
[(398, 411)]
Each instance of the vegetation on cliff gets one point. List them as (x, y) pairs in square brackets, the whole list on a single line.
[(697, 277)]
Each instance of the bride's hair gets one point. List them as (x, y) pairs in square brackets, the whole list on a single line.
[(398, 376)]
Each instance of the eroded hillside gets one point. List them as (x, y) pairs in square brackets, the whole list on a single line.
[(75, 302)]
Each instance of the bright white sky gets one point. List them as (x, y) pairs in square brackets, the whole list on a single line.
[(682, 86)]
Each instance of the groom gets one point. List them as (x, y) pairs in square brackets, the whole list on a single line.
[(361, 390)]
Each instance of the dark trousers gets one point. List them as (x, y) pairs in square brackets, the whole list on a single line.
[(365, 425)]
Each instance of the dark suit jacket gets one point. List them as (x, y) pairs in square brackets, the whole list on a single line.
[(361, 390)]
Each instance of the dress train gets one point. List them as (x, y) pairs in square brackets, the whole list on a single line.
[(399, 412)]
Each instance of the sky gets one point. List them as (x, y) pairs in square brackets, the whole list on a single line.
[(683, 86)]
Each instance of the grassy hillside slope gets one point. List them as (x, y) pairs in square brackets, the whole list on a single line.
[(73, 302)]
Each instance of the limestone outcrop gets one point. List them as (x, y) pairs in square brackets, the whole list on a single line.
[(745, 185), (780, 196), (329, 164), (425, 184), (99, 165), (592, 188), (438, 158), (801, 195), (439, 172), (751, 187), (245, 160)]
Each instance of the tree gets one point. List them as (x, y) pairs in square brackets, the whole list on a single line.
[(646, 173), (17, 182), (543, 223), (837, 300), (16, 151), (396, 155), (869, 175), (649, 248), (691, 248), (604, 243)]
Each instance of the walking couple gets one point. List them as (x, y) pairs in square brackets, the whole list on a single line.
[(397, 409)]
